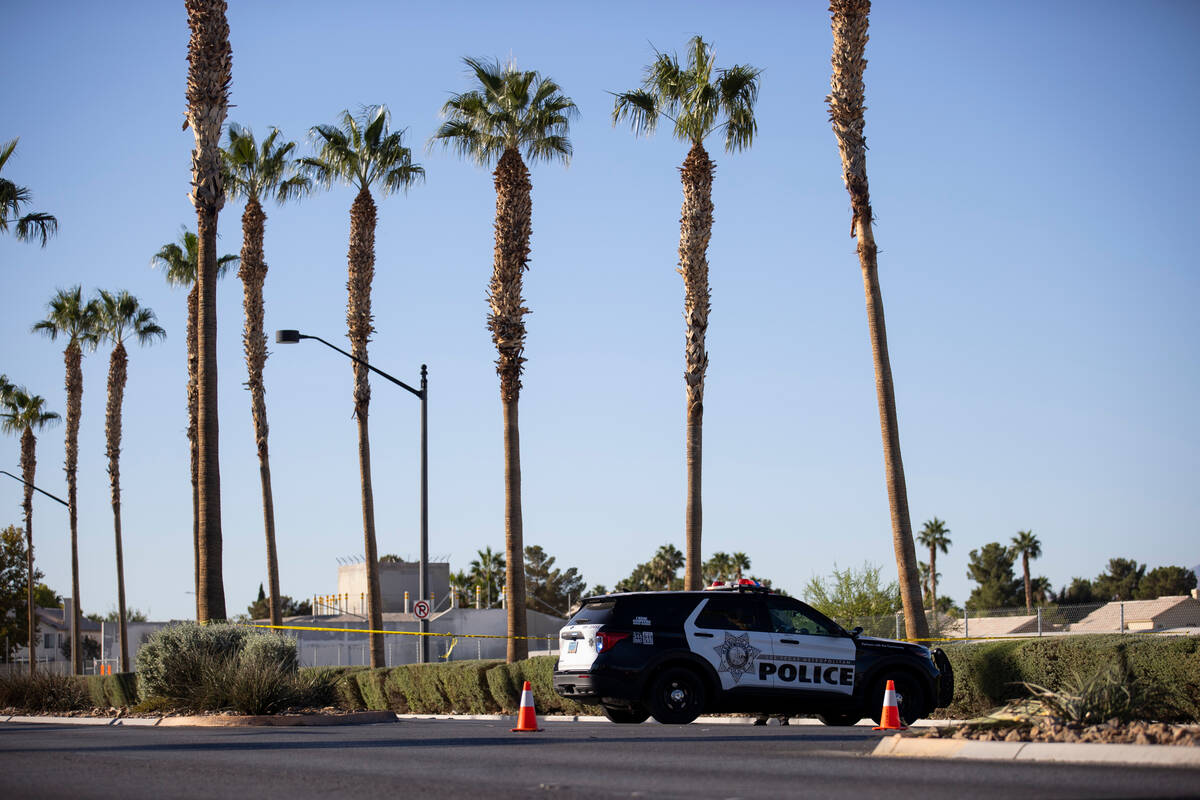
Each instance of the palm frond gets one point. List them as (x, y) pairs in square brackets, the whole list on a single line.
[(38, 225)]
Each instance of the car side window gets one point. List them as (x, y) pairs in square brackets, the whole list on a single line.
[(789, 617), (732, 613)]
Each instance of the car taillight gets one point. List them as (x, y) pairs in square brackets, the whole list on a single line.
[(606, 640)]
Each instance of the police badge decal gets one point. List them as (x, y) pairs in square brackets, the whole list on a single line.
[(737, 655)]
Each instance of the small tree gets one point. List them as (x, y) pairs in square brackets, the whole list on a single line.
[(992, 568), (856, 597), (1165, 582), (551, 590), (14, 584)]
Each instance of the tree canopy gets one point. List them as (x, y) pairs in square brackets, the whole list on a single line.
[(991, 567)]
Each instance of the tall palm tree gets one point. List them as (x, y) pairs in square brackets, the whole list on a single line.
[(22, 414), (209, 74), (34, 225), (509, 112), (364, 154), (846, 112), (699, 99), (255, 173), (121, 317), (936, 536), (178, 261), (1028, 546), (488, 570), (76, 320)]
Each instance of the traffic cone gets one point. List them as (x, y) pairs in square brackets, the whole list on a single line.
[(527, 719), (891, 712)]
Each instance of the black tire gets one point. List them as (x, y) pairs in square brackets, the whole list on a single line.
[(840, 718), (676, 696), (626, 716), (910, 697)]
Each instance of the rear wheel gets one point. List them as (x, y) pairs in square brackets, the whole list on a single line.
[(626, 716), (676, 696), (910, 698)]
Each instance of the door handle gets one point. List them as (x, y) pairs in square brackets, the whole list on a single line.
[(705, 635), (789, 641)]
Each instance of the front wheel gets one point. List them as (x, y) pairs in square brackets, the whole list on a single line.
[(840, 718), (676, 696), (626, 716), (910, 699)]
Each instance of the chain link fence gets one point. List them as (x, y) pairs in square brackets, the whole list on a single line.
[(1165, 614)]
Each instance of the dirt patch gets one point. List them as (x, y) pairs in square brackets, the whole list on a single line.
[(1049, 729)]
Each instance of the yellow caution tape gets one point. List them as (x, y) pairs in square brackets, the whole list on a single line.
[(397, 633)]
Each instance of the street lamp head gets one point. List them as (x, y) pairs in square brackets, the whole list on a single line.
[(287, 337)]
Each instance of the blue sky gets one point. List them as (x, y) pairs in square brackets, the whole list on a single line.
[(1033, 184)]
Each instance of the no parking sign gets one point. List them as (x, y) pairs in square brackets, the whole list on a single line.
[(421, 609)]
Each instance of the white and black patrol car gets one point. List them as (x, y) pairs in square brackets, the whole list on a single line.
[(737, 648)]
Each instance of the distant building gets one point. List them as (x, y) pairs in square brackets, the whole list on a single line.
[(395, 578), (54, 635)]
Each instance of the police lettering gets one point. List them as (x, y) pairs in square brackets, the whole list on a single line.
[(806, 673)]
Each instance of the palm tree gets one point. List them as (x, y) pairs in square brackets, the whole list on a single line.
[(936, 536), (23, 413), (209, 74), (699, 100), (363, 153), (254, 173), (741, 562), (179, 264), (121, 317), (488, 570), (34, 225), (508, 113), (76, 320), (846, 112), (1028, 546)]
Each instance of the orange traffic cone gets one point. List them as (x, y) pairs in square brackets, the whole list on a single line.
[(891, 712), (527, 719)]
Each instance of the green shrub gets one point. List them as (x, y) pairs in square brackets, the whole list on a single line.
[(503, 687), (221, 666), (1089, 700), (465, 684), (1163, 672), (44, 692), (178, 659), (113, 691), (371, 687)]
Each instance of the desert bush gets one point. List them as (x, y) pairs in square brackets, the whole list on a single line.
[(1163, 672), (44, 692), (221, 666), (1106, 694)]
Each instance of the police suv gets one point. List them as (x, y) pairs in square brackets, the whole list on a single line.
[(737, 648)]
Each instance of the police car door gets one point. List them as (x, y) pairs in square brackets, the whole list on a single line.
[(730, 630), (808, 655)]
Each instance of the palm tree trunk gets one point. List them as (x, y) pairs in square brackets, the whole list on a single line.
[(361, 262), (513, 228), (933, 583), (209, 67), (1028, 585), (253, 273), (193, 405), (846, 113), (74, 358), (117, 365), (695, 229), (28, 468)]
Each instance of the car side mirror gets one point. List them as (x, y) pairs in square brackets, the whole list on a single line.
[(854, 633)]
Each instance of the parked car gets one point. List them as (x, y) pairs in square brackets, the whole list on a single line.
[(737, 648)]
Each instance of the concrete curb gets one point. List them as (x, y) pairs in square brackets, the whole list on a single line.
[(1072, 752), (272, 721)]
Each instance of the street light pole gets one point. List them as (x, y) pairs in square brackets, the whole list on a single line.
[(293, 336)]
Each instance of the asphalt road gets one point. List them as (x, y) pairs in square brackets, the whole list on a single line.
[(482, 759)]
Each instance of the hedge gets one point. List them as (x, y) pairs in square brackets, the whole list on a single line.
[(989, 674), (986, 674)]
